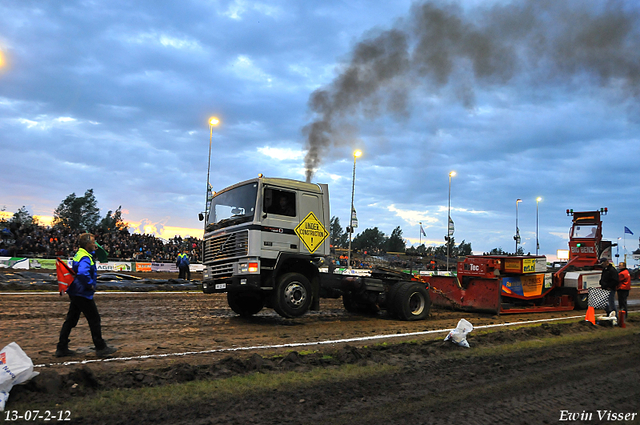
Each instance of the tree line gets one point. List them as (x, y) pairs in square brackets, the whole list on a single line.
[(76, 213)]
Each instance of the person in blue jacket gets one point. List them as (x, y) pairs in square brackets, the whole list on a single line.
[(183, 265), (81, 300)]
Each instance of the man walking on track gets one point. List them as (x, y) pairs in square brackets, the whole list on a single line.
[(81, 300)]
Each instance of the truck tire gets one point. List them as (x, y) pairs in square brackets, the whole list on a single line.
[(581, 301), (348, 302), (292, 296), (245, 304), (391, 296), (411, 301)]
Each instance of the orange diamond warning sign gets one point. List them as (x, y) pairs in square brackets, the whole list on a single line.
[(311, 232)]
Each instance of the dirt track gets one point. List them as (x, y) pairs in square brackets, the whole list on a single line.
[(141, 324), (530, 389)]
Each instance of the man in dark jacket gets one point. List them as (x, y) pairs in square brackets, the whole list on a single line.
[(609, 281), (81, 300)]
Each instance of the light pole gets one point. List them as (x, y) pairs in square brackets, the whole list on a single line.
[(538, 199), (356, 154), (450, 229), (517, 236), (213, 122)]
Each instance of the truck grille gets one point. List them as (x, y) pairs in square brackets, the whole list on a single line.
[(226, 246), (222, 270)]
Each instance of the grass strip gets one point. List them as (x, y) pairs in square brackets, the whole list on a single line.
[(106, 402)]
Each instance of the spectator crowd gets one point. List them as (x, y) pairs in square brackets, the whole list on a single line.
[(51, 242)]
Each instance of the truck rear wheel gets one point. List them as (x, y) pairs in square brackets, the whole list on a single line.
[(391, 297), (245, 303), (411, 301), (292, 296)]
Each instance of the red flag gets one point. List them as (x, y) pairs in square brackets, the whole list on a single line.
[(65, 275)]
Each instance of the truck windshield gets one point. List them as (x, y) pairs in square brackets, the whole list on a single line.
[(588, 231), (233, 206)]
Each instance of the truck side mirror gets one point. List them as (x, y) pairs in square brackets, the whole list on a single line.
[(200, 216)]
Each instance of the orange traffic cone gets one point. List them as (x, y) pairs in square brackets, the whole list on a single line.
[(621, 315), (591, 315)]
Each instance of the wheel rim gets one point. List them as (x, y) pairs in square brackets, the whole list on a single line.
[(295, 294), (416, 303)]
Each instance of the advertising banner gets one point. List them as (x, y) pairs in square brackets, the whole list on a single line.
[(42, 263), (22, 263), (526, 286), (196, 267), (513, 265), (143, 267), (113, 266), (525, 265), (164, 267), (14, 263)]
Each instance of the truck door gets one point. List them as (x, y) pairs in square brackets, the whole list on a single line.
[(310, 202), (280, 216)]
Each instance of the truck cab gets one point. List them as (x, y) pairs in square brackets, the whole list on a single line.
[(264, 239), (586, 246)]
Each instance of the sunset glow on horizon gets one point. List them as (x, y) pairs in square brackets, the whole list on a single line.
[(144, 226)]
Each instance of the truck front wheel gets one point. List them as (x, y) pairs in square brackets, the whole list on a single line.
[(292, 296), (245, 304)]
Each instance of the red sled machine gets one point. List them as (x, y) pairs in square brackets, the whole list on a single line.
[(503, 284)]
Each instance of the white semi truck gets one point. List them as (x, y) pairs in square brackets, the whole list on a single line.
[(266, 244)]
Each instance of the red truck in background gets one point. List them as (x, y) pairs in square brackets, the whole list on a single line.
[(514, 284)]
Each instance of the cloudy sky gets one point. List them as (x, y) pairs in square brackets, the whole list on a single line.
[(523, 99)]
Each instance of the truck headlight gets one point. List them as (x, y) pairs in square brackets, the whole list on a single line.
[(249, 267)]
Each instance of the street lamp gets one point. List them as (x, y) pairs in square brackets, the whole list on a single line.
[(517, 236), (213, 122), (352, 217), (538, 199), (450, 228)]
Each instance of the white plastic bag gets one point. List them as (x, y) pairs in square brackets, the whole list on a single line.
[(459, 334), (15, 368)]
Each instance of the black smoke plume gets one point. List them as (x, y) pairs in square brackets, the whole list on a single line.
[(536, 42)]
